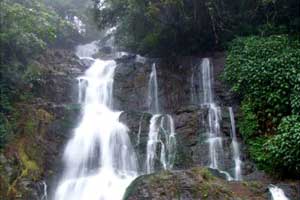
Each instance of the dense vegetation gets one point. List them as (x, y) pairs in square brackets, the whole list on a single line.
[(185, 27), (27, 29), (265, 71)]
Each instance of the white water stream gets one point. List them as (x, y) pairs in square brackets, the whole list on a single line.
[(235, 148), (277, 193), (214, 134), (99, 159), (153, 92), (161, 144), (214, 115)]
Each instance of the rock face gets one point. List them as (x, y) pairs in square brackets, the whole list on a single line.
[(175, 97), (190, 118), (192, 184), (174, 83), (43, 125)]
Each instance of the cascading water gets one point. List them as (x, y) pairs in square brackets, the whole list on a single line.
[(161, 131), (214, 115), (161, 134), (277, 193), (235, 148), (42, 189), (152, 143), (215, 140), (99, 159), (139, 131), (153, 92)]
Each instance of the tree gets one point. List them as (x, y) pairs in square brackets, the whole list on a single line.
[(184, 27)]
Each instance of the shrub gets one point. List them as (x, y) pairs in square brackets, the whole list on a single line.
[(258, 154), (265, 72), (284, 148), (248, 124)]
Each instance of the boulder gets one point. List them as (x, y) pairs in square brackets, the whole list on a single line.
[(192, 184)]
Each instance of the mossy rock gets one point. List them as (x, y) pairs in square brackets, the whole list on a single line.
[(195, 183)]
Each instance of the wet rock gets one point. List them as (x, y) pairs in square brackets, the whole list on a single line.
[(58, 82), (192, 184), (131, 86), (138, 124), (217, 173), (43, 125)]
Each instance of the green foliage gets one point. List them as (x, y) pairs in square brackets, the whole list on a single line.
[(284, 148), (27, 28), (248, 124), (25, 31), (265, 72), (184, 27), (258, 153)]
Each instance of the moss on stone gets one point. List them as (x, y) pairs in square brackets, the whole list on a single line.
[(31, 124), (198, 183)]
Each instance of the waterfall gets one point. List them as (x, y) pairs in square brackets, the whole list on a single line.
[(153, 92), (214, 115), (152, 143), (99, 159), (42, 189), (213, 130), (138, 140), (235, 148), (277, 193), (161, 144), (207, 80), (193, 90), (161, 134), (214, 135)]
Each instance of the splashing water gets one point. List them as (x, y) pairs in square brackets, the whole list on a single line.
[(161, 144), (214, 135), (277, 193), (99, 159), (235, 148), (161, 134)]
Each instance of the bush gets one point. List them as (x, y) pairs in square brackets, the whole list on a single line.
[(258, 153), (248, 124), (265, 72), (284, 148)]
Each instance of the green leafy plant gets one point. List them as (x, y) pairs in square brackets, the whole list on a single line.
[(248, 124), (257, 152), (284, 148), (185, 27), (265, 72)]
